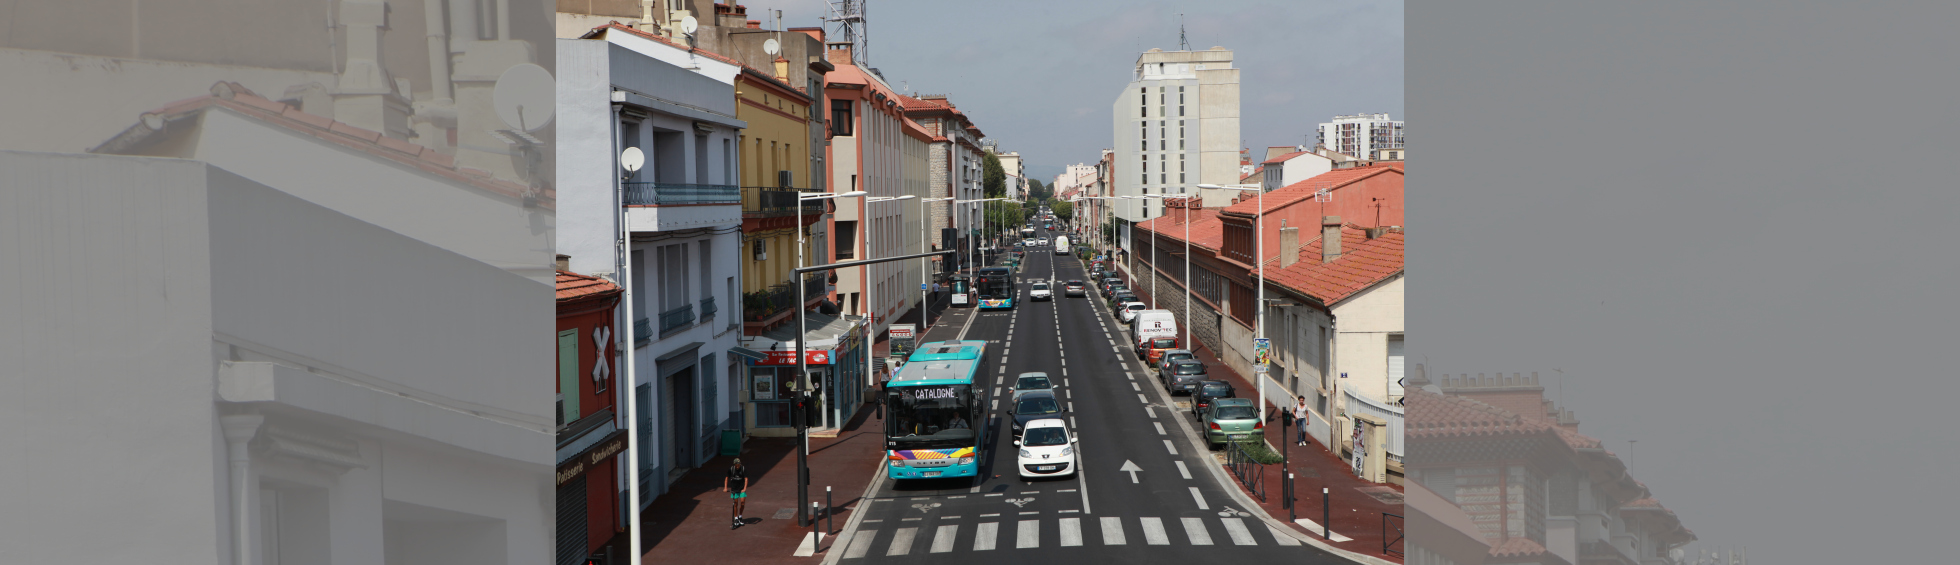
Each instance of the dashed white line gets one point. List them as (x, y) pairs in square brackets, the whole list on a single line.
[(1140, 398), (1181, 470), (1168, 446), (1151, 410), (1200, 497), (1160, 428), (1133, 385)]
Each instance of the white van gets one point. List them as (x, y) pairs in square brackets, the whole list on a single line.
[(1150, 323), (1061, 245)]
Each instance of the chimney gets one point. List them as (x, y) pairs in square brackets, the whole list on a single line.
[(1289, 247), (838, 53), (755, 24), (1330, 238), (782, 69), (564, 262)]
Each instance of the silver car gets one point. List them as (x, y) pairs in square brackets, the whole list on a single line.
[(1030, 382)]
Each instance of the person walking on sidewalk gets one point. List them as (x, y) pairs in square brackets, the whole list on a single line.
[(1300, 419), (736, 484)]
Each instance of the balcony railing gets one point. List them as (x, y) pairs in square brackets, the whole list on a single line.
[(815, 285), (773, 202), (767, 303), (672, 194), (642, 331), (708, 307), (677, 318)]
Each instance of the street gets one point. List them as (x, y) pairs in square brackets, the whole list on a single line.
[(1169, 509)]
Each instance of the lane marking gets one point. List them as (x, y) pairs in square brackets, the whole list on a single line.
[(1071, 421), (1071, 532), (1183, 471), (1153, 531), (995, 494), (949, 517), (1066, 490), (1027, 534), (1200, 497), (942, 540), (996, 405), (1281, 537), (1140, 398), (1133, 385), (1112, 530), (902, 542), (1235, 528), (983, 536), (860, 544), (1160, 428), (911, 519), (1194, 528)]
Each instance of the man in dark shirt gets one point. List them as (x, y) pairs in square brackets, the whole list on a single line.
[(737, 485)]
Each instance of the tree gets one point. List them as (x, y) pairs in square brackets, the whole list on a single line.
[(1064, 210), (993, 179), (1036, 191)]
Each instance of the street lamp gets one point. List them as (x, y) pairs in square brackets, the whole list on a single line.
[(1259, 259), (803, 364), (983, 218)]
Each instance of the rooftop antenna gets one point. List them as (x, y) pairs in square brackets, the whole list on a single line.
[(1182, 45), (847, 17)]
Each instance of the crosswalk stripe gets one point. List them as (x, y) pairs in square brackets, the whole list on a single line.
[(1071, 532), (1235, 528), (1281, 537), (860, 544), (942, 540), (1153, 531), (983, 536), (1112, 528), (1027, 534), (1194, 528), (901, 542)]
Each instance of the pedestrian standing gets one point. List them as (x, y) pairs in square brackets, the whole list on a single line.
[(736, 484), (1300, 419)]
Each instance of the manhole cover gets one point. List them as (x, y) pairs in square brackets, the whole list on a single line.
[(785, 514)]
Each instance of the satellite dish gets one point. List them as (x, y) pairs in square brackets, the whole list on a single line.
[(525, 97), (771, 47), (632, 159), (688, 24)]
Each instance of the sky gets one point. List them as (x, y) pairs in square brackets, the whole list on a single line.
[(1040, 77)]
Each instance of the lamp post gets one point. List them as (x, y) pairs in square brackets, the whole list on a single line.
[(1259, 259), (801, 417), (983, 219)]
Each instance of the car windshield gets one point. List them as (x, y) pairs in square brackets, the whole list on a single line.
[(1041, 286), (1028, 383), (1233, 413), (1037, 406), (1037, 437)]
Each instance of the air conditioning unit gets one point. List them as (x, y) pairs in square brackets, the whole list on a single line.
[(785, 180), (761, 250)]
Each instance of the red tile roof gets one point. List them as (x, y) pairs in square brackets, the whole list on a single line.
[(1289, 194), (1207, 231), (1254, 174), (1453, 417), (1283, 158), (236, 98), (573, 286), (1363, 263)]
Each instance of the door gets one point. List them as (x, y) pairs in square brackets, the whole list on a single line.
[(681, 408)]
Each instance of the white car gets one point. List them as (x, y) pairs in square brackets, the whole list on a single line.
[(1128, 311), (1028, 242), (1047, 450), (1040, 290), (1041, 241)]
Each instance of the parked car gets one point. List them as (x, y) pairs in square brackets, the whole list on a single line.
[(1075, 288), (1152, 348), (1030, 382), (1233, 419), (1183, 376), (1038, 291), (1120, 297), (1207, 392), (1129, 311), (1034, 405), (1112, 289), (1172, 356), (1047, 449)]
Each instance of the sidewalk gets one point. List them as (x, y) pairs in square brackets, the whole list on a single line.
[(690, 524), (1356, 506)]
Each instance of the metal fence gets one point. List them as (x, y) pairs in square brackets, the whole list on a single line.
[(1239, 460), (668, 194), (1391, 545), (777, 202), (677, 318)]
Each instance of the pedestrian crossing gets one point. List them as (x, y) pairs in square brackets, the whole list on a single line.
[(1062, 532)]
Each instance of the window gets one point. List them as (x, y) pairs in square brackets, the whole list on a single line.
[(1143, 102), (840, 118), (846, 240), (1180, 101), (728, 164), (568, 393)]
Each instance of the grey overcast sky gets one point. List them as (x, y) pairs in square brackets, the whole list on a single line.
[(1040, 76)]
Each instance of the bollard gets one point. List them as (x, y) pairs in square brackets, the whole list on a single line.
[(1292, 510), (829, 512), (1324, 511)]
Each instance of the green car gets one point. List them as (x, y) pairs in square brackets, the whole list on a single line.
[(1232, 419)]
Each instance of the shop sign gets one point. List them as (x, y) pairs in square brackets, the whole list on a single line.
[(813, 357), (613, 444)]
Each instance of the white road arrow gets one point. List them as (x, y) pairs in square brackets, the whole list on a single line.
[(1131, 468)]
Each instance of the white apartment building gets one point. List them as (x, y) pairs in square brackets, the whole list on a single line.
[(1361, 134), (620, 88), (871, 145), (1176, 126)]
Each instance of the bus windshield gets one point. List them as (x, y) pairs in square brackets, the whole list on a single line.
[(930, 417)]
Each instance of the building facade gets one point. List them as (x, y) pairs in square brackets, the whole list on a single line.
[(589, 437), (1360, 135), (955, 163), (1176, 126), (622, 88)]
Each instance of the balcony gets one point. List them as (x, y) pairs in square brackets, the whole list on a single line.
[(642, 331), (708, 307), (678, 318), (674, 194), (761, 202), (768, 306)]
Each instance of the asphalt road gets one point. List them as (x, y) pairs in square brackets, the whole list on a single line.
[(1170, 511)]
